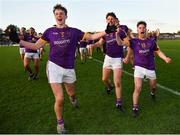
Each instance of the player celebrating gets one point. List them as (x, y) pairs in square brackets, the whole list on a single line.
[(31, 55), (113, 60), (143, 49), (83, 50), (21, 48), (60, 67)]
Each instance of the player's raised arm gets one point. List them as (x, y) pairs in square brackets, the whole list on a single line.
[(124, 42)]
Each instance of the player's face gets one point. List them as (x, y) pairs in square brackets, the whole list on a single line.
[(31, 31), (60, 16), (111, 20), (22, 30), (141, 29)]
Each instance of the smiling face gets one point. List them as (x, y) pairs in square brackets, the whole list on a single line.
[(60, 17), (111, 20)]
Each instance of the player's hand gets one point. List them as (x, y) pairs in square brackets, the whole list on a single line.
[(168, 60), (125, 60), (110, 29), (11, 31)]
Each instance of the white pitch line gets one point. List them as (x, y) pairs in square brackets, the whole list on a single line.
[(158, 85)]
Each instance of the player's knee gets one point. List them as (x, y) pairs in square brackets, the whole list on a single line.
[(117, 84), (59, 100), (137, 89)]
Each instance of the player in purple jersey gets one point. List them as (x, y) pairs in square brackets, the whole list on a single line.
[(41, 50), (60, 67), (83, 50), (89, 49), (31, 55), (114, 57), (143, 49), (21, 48)]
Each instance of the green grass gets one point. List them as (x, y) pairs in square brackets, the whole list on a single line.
[(27, 107)]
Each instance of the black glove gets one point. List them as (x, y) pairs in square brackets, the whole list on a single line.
[(110, 29), (11, 31)]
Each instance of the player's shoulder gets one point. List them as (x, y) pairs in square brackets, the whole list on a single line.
[(50, 29)]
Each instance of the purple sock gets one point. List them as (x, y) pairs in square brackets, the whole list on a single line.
[(60, 122), (118, 102), (135, 107)]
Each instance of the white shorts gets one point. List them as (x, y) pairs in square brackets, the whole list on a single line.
[(141, 72), (88, 46), (32, 55), (82, 50), (112, 63), (22, 50), (58, 74)]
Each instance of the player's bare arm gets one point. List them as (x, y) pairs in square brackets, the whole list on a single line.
[(163, 56), (128, 55), (34, 46)]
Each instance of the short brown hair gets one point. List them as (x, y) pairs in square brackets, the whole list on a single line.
[(59, 6), (141, 22)]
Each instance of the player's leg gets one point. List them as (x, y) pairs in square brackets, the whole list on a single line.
[(136, 93), (85, 54), (55, 75), (70, 89), (27, 59), (118, 87), (36, 65), (105, 78), (22, 53), (69, 79), (152, 82), (58, 105), (90, 52), (107, 68), (81, 55)]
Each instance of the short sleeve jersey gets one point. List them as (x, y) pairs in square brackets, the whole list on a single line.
[(63, 42)]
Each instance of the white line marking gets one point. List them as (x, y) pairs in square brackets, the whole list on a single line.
[(158, 85)]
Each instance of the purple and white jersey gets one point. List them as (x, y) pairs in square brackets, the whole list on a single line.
[(63, 42), (82, 44), (144, 52), (32, 39), (112, 48)]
